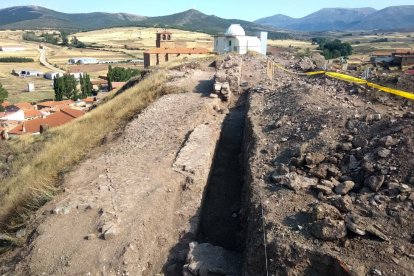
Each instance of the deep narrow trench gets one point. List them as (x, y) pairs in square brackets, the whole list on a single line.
[(220, 223)]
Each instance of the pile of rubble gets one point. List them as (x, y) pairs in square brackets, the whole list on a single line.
[(363, 171), (227, 77), (334, 168)]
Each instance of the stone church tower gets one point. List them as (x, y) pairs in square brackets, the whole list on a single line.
[(164, 40)]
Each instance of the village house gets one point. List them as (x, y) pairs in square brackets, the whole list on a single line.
[(54, 106), (19, 106), (402, 58), (166, 50), (12, 116), (33, 114), (27, 73), (85, 104), (235, 40), (77, 75), (52, 75), (82, 60), (12, 48), (37, 126)]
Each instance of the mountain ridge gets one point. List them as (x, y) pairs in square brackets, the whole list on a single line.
[(25, 17), (346, 19)]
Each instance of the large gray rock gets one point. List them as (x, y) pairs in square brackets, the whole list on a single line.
[(344, 187), (294, 181), (343, 204), (329, 229), (375, 182), (206, 259), (314, 158), (322, 210), (306, 64)]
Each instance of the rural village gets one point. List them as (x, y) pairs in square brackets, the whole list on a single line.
[(155, 149)]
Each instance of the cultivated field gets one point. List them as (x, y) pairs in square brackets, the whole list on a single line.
[(17, 86), (286, 43), (366, 43), (116, 44), (133, 41)]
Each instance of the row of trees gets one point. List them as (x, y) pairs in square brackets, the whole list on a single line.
[(333, 48), (56, 38), (67, 86), (16, 59), (120, 74)]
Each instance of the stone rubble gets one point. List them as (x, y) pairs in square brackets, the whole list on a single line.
[(227, 77)]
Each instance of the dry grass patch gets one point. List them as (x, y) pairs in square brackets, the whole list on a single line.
[(41, 160)]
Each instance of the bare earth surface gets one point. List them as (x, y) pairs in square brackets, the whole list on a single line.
[(124, 207)]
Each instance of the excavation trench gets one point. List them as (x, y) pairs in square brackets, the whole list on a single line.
[(220, 223)]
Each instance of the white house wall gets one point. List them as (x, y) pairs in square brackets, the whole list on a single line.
[(249, 43), (16, 116), (239, 44)]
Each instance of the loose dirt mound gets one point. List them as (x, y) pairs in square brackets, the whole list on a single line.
[(332, 170)]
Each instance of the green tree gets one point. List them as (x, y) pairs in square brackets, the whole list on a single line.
[(3, 95), (58, 87), (333, 48), (65, 39), (109, 77), (89, 87), (75, 42), (86, 86), (65, 87), (121, 74)]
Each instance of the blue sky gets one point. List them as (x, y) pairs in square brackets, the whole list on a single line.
[(240, 9)]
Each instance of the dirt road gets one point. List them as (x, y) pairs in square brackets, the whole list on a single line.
[(44, 62)]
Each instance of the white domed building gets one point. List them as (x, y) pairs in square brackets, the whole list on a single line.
[(235, 40)]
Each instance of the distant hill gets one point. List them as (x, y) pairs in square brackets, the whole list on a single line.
[(34, 17), (340, 19), (29, 17), (196, 21), (392, 18), (278, 20)]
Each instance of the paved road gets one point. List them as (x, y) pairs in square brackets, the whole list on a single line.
[(45, 63)]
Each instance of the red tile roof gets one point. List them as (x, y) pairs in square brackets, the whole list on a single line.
[(32, 114), (177, 51), (403, 51), (382, 53), (90, 100), (5, 104), (55, 103), (25, 106), (118, 84), (99, 82), (54, 120)]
